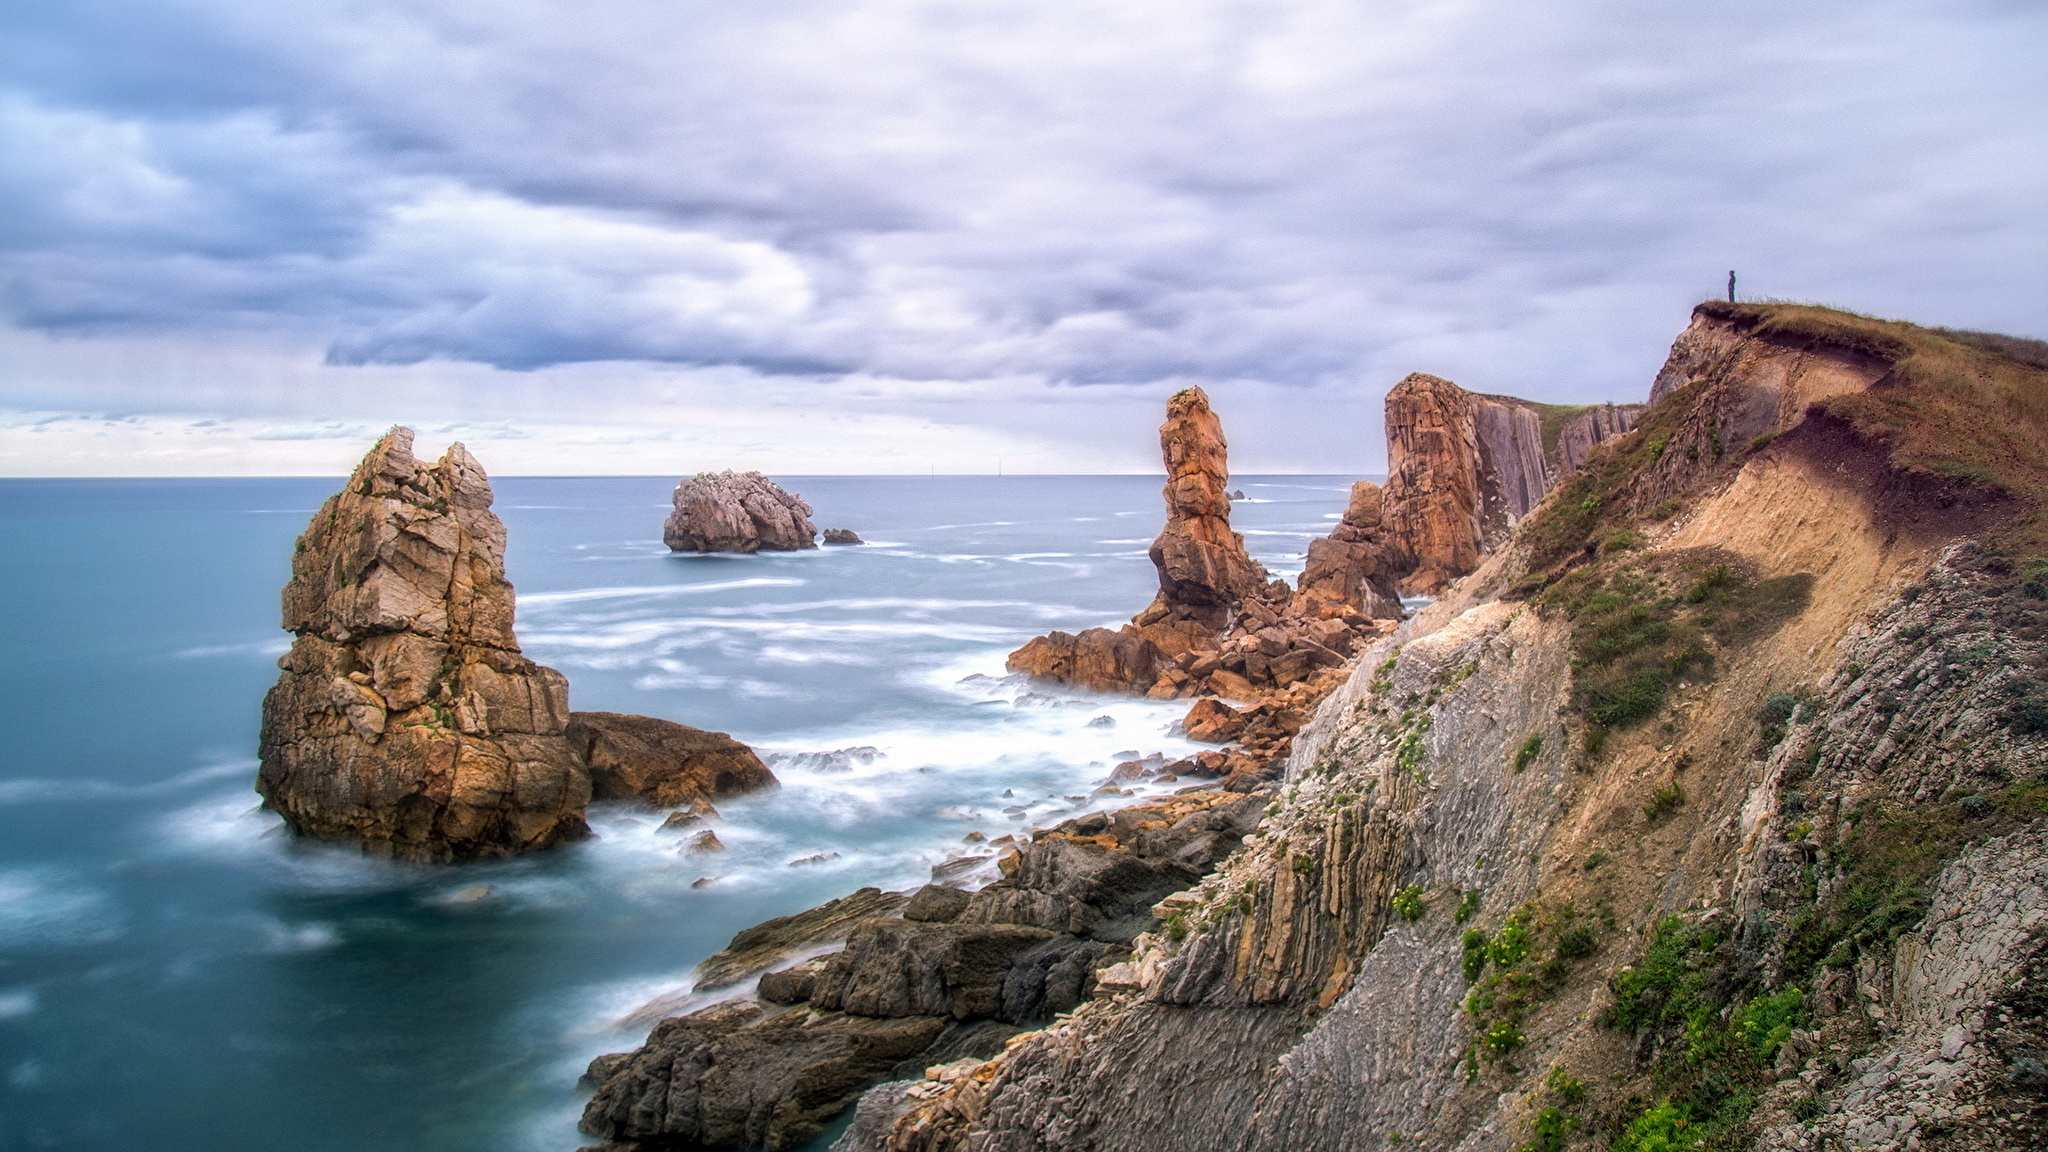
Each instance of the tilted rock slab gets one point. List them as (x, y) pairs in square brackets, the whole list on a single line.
[(406, 719), (737, 512)]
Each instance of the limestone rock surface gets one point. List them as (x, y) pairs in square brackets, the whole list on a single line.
[(406, 720), (661, 762), (737, 512)]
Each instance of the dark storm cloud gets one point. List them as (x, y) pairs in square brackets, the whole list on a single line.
[(914, 189)]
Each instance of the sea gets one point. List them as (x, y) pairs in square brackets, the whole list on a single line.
[(177, 973)]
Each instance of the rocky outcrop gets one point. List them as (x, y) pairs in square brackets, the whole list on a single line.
[(661, 762), (1786, 895), (406, 720), (842, 536), (1353, 568), (737, 512), (1204, 571), (1096, 660), (944, 976), (1464, 468)]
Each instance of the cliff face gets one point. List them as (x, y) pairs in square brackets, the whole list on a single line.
[(1463, 468), (1710, 808), (1353, 567), (407, 722), (406, 719)]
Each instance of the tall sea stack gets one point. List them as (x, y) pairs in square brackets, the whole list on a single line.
[(407, 722), (406, 719)]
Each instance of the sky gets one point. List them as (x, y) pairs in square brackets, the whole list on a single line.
[(239, 237)]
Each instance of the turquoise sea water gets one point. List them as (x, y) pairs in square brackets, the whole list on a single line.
[(176, 974)]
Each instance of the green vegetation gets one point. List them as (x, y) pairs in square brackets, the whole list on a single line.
[(1530, 750), (1409, 903), (1594, 859), (1641, 625), (1663, 801), (1517, 967), (1411, 752), (1467, 907)]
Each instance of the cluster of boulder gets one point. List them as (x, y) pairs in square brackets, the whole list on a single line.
[(406, 720), (910, 980)]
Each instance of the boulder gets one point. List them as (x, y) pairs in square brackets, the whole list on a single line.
[(737, 512), (660, 762), (842, 536), (1211, 721), (405, 720), (1097, 660)]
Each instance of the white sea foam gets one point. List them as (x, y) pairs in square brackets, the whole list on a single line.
[(48, 905), (34, 790), (266, 649), (581, 595), (17, 1002)]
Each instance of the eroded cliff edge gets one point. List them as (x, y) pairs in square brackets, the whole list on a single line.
[(1708, 810)]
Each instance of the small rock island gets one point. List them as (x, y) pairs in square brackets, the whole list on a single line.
[(407, 721), (738, 512)]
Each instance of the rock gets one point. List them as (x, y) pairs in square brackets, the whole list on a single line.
[(1097, 660), (1203, 567), (1211, 721), (791, 985), (898, 968), (1464, 468), (776, 941), (842, 536), (737, 512), (660, 762), (707, 841), (936, 904), (1355, 565), (406, 720), (736, 1076)]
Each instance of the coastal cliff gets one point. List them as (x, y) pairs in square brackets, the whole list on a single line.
[(1463, 468), (1708, 811), (406, 720)]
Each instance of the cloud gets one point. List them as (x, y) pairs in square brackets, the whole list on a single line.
[(1005, 196)]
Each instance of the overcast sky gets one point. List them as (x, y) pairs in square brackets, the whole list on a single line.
[(657, 236)]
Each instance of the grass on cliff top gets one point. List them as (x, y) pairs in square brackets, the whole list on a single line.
[(1963, 406), (1968, 408)]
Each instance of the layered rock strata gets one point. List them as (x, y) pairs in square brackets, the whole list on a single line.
[(406, 720), (1791, 899), (942, 976), (1463, 468), (738, 512)]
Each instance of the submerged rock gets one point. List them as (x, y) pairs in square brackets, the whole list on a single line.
[(406, 720), (737, 512)]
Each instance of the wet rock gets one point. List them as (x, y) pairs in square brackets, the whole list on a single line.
[(776, 941), (842, 536), (895, 968), (406, 720), (1097, 660), (737, 1076), (660, 762), (737, 512)]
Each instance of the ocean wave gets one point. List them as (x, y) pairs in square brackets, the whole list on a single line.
[(47, 905), (17, 1002), (39, 790), (539, 599), (265, 648)]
